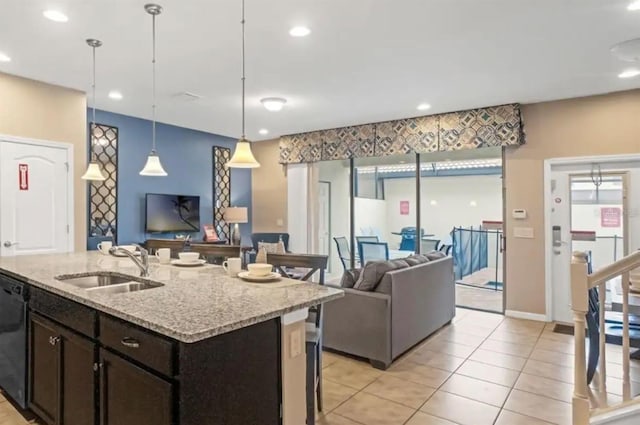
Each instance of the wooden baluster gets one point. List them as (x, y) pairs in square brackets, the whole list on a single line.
[(626, 382), (602, 364), (580, 306)]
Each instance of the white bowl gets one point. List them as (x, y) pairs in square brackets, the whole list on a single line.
[(189, 257), (259, 269)]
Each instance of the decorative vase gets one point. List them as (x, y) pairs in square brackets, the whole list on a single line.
[(261, 257)]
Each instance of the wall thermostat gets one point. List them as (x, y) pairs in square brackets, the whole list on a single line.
[(519, 214)]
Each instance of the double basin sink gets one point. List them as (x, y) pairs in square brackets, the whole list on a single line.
[(108, 283)]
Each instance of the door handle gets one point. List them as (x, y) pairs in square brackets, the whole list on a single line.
[(53, 340), (9, 244)]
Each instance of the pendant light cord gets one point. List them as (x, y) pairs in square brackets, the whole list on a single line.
[(243, 74), (93, 122), (153, 83)]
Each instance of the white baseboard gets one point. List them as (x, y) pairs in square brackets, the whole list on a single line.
[(525, 315)]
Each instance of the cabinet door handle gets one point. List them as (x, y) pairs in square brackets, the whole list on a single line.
[(54, 340), (130, 342)]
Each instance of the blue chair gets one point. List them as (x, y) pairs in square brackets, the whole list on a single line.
[(409, 235), (367, 239), (371, 251)]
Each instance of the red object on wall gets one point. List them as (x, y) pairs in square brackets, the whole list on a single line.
[(23, 176), (404, 207), (610, 217)]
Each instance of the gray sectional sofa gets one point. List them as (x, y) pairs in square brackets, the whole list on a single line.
[(391, 307)]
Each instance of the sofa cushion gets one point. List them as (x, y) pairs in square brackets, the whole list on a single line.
[(372, 274), (416, 259), (435, 255), (349, 278), (400, 263)]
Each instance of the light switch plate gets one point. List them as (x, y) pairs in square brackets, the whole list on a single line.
[(279, 222)]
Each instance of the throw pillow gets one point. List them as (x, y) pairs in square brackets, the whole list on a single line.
[(271, 248), (414, 260), (349, 278), (372, 273), (400, 263), (435, 255)]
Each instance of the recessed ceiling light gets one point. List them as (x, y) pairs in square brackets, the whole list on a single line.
[(634, 5), (273, 104), (299, 31), (263, 131), (473, 204), (423, 106), (55, 16), (4, 58), (629, 73), (115, 95)]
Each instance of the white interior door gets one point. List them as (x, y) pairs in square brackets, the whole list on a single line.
[(561, 246), (324, 219), (34, 199)]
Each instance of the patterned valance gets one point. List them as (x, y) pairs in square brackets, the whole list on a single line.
[(472, 129)]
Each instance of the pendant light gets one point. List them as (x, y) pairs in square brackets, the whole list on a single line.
[(93, 173), (243, 157), (153, 167)]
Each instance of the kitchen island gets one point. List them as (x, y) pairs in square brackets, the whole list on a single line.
[(196, 347)]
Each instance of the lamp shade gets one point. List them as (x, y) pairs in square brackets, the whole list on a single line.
[(153, 167), (243, 157), (234, 215), (93, 172)]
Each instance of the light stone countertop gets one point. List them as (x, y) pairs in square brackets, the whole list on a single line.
[(194, 304)]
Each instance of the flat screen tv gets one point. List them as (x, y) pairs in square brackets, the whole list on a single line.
[(172, 213)]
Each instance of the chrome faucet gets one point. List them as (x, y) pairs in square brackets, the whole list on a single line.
[(142, 262)]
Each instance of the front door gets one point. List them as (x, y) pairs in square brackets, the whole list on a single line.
[(34, 195), (588, 214)]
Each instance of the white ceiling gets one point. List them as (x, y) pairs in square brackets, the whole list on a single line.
[(365, 60)]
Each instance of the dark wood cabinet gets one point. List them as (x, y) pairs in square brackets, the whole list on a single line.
[(44, 356), (131, 395), (62, 374), (89, 368)]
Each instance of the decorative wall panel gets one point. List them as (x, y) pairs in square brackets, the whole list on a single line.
[(221, 190), (473, 129), (103, 197)]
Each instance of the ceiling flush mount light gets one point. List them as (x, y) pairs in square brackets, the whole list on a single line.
[(153, 167), (634, 5), (55, 16), (263, 131), (273, 104), (629, 73), (242, 156), (4, 57), (93, 173), (115, 95), (299, 31), (424, 107)]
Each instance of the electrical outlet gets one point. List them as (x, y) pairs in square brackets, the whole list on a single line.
[(295, 342)]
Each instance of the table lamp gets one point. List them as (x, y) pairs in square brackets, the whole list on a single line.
[(236, 215)]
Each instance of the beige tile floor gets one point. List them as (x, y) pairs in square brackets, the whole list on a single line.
[(483, 369)]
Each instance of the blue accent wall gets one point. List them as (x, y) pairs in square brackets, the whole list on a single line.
[(186, 156)]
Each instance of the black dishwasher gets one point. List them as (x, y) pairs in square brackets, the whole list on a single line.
[(13, 339)]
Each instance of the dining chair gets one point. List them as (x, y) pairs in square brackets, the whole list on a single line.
[(216, 254), (344, 252), (370, 251), (311, 264), (365, 239), (427, 245)]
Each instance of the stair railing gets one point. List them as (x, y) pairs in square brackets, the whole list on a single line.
[(581, 283)]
